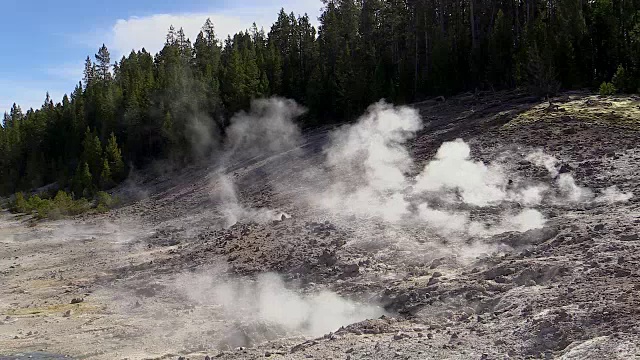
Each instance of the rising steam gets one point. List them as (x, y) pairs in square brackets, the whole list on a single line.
[(453, 170), (567, 188), (268, 300), (267, 129), (367, 172), (368, 166), (232, 210)]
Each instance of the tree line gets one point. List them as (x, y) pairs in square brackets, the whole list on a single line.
[(146, 106)]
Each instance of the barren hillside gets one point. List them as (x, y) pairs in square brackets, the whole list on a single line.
[(481, 227)]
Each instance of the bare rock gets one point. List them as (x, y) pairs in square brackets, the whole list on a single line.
[(400, 335), (630, 237), (350, 270)]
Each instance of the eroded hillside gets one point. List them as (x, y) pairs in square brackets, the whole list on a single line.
[(480, 227)]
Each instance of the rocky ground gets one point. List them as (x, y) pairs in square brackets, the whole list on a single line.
[(142, 281)]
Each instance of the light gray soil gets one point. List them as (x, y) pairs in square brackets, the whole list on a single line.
[(132, 283)]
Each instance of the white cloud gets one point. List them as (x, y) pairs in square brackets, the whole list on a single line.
[(149, 32)]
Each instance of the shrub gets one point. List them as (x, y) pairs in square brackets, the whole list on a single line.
[(607, 88), (80, 206), (42, 207), (104, 201), (61, 205), (46, 209), (622, 81), (63, 201), (65, 205), (35, 202), (20, 204)]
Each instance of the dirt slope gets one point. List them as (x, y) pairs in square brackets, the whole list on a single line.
[(135, 283)]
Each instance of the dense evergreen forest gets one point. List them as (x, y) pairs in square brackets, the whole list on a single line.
[(146, 106)]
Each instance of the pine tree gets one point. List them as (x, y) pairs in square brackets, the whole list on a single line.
[(207, 57), (184, 45), (82, 181), (234, 84), (273, 68), (251, 74), (542, 76), (89, 72), (106, 180), (113, 158), (209, 33), (171, 36), (92, 152), (103, 63), (500, 52)]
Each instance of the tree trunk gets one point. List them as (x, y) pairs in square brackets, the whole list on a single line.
[(426, 47), (474, 39), (517, 13), (415, 40), (441, 16)]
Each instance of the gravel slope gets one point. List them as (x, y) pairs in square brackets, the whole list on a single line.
[(569, 290)]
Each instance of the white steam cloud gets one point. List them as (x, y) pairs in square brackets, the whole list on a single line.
[(529, 196), (547, 161), (458, 224), (613, 195), (201, 132), (267, 299), (477, 183), (525, 220), (366, 173), (232, 210), (267, 129), (568, 190), (375, 147), (368, 166), (445, 223)]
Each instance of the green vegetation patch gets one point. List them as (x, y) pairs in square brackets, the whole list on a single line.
[(621, 111), (62, 205)]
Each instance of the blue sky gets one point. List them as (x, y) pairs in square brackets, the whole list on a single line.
[(45, 44)]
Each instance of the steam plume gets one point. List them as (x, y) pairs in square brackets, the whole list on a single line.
[(267, 129), (477, 183), (267, 299), (568, 189), (367, 163)]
